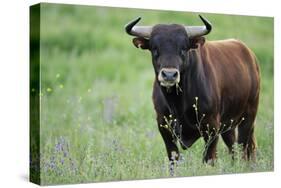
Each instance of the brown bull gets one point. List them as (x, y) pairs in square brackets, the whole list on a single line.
[(201, 88)]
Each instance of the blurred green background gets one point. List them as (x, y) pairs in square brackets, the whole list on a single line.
[(97, 117)]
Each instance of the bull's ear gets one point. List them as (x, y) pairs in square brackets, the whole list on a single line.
[(197, 41), (140, 42)]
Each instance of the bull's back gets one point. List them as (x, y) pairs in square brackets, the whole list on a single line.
[(234, 68)]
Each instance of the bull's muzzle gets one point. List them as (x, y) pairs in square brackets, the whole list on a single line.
[(168, 77)]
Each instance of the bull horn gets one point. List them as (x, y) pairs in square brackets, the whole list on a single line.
[(139, 31), (197, 31)]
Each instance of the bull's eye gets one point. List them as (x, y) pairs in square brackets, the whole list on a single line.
[(183, 52), (155, 53)]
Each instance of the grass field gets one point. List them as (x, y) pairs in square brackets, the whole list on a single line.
[(97, 117)]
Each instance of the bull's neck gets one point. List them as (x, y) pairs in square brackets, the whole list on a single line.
[(174, 98), (196, 82)]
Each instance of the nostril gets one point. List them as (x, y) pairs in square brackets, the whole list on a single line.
[(175, 74), (164, 74)]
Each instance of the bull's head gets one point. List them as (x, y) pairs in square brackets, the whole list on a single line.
[(169, 46)]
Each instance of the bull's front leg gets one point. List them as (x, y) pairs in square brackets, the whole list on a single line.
[(170, 143), (211, 137), (210, 150)]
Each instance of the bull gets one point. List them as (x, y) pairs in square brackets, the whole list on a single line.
[(202, 88)]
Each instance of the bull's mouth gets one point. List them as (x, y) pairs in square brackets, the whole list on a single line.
[(168, 84)]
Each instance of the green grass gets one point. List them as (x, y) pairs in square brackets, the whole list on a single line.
[(97, 117)]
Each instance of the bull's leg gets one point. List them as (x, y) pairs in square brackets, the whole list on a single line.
[(246, 129), (171, 147), (210, 134), (210, 153), (246, 138), (229, 139)]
